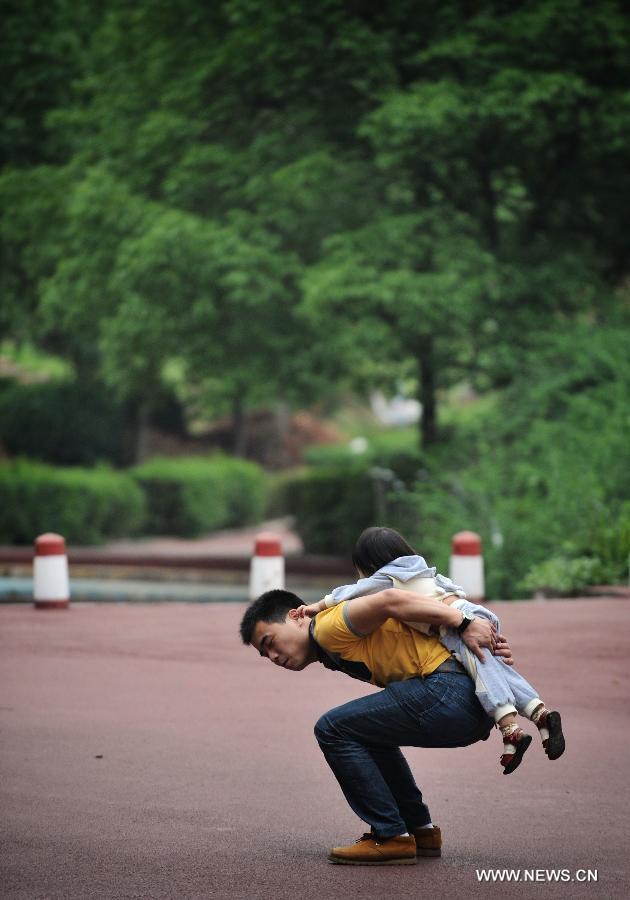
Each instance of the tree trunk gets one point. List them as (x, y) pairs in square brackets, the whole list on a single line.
[(135, 437), (142, 433), (239, 436), (488, 215), (282, 423), (426, 392)]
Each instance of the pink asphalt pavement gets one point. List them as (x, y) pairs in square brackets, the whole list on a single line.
[(145, 753)]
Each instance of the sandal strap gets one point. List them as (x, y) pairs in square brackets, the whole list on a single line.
[(514, 736)]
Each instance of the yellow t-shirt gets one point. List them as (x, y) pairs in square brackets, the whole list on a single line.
[(393, 652)]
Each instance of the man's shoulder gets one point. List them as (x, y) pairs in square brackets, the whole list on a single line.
[(331, 625), (336, 623), (337, 648)]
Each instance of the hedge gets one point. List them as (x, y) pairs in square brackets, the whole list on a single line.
[(85, 506), (63, 423), (406, 464), (331, 506), (77, 423), (340, 495), (190, 496)]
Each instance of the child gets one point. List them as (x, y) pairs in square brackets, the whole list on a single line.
[(382, 559)]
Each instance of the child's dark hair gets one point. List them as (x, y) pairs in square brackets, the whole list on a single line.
[(378, 546)]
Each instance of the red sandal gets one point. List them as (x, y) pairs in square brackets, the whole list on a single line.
[(517, 742)]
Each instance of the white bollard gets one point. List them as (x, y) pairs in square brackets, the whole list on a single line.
[(466, 564), (51, 583), (267, 568)]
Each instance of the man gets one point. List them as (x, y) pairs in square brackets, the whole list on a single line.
[(427, 701)]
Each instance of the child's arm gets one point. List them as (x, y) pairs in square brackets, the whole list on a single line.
[(345, 592), (370, 585), (312, 609)]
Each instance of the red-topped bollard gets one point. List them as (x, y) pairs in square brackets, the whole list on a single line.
[(51, 583), (267, 567), (466, 564)]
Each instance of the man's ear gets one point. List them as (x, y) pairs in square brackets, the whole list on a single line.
[(293, 614)]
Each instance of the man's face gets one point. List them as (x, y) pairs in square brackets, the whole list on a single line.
[(285, 643)]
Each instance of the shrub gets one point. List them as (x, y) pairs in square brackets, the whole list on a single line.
[(85, 506), (542, 474), (63, 423), (331, 455), (343, 493), (405, 462), (563, 576), (331, 505), (610, 543), (190, 496)]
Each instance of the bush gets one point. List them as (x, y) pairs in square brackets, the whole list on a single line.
[(541, 475), (323, 455), (63, 423), (187, 497), (610, 543), (344, 492), (562, 576), (85, 506), (331, 505), (406, 463), (544, 472)]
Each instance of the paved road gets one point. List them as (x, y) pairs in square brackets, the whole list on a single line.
[(146, 754)]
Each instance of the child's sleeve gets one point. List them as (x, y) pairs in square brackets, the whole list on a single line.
[(363, 586), (485, 613), (449, 586)]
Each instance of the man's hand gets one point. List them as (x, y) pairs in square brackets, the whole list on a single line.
[(479, 634), (502, 649)]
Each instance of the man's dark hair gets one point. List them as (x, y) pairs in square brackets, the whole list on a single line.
[(378, 546), (271, 606)]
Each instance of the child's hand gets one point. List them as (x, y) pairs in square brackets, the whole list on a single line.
[(308, 611)]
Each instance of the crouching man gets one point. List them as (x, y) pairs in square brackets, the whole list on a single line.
[(427, 700)]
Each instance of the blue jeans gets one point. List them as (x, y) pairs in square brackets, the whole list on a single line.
[(361, 741)]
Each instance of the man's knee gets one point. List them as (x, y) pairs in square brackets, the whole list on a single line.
[(325, 731)]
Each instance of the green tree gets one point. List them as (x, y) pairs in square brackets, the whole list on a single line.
[(408, 285), (497, 154), (423, 188), (218, 298)]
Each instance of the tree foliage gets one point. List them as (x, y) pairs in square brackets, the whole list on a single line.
[(286, 198)]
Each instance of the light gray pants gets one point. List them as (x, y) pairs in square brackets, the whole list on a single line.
[(499, 687)]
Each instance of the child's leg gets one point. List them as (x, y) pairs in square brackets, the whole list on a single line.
[(530, 705), (496, 697), (515, 743), (549, 725), (508, 682)]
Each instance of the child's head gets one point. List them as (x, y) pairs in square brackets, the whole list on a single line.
[(378, 546)]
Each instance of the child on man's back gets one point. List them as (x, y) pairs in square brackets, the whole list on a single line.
[(382, 559)]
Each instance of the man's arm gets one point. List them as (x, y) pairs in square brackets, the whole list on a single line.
[(368, 613)]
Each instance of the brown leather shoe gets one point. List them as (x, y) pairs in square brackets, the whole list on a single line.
[(428, 841), (367, 851)]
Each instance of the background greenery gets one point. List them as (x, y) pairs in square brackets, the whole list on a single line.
[(212, 208), (85, 505), (190, 496)]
